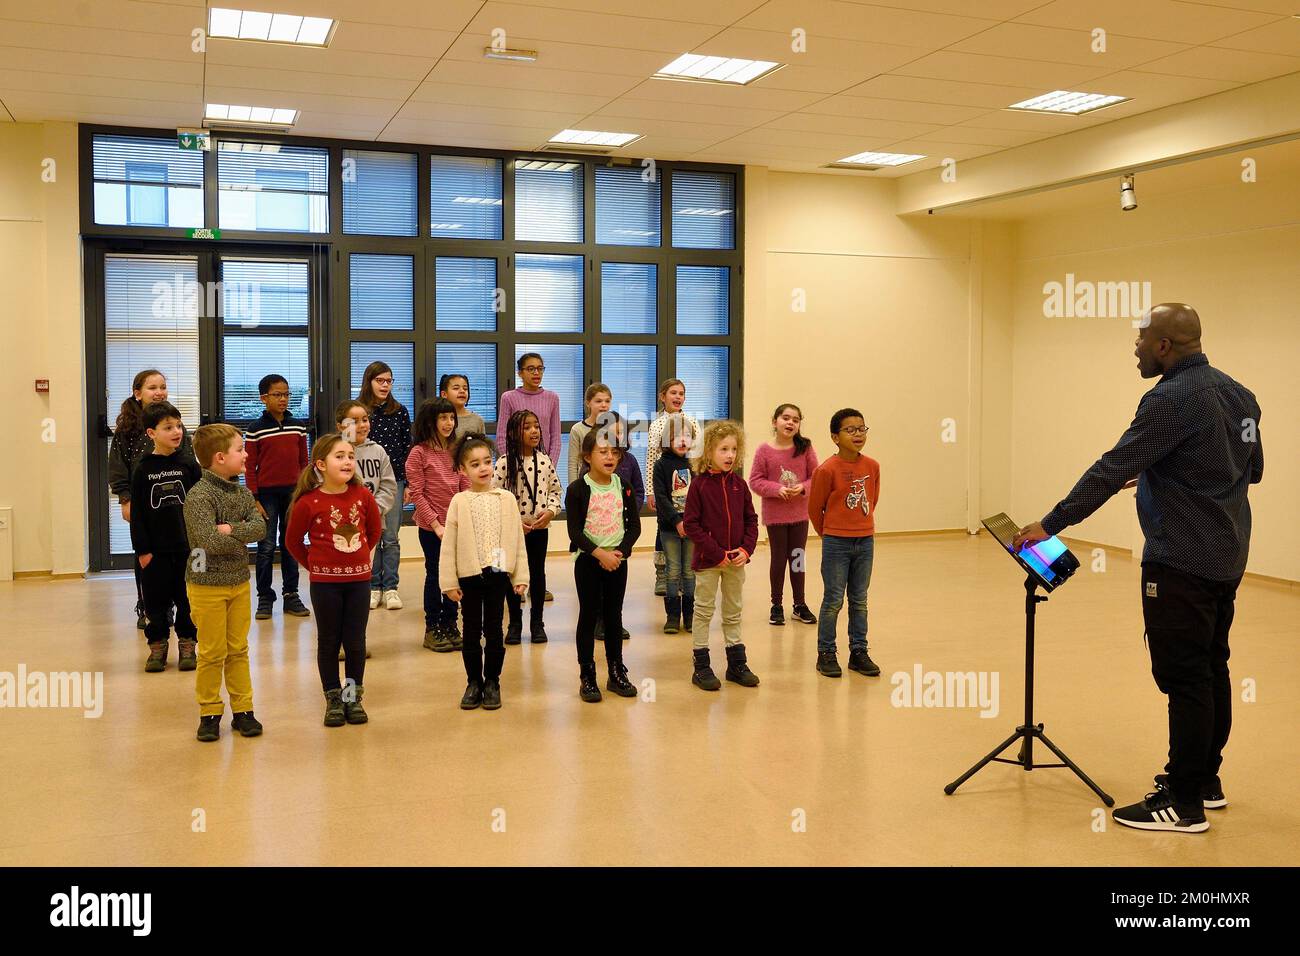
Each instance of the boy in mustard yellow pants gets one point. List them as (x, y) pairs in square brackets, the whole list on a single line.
[(221, 520)]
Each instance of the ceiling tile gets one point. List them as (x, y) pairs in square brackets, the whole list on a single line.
[(874, 129), (305, 102), (461, 94), (104, 65), (827, 51), (754, 96), (534, 23), (853, 21), (190, 94), (491, 116), (945, 91), (637, 110), (1154, 19), (1282, 38), (991, 9), (444, 15), (503, 74), (1000, 70), (1216, 63), (341, 62), (1029, 42), (555, 55), (293, 83), (78, 39), (716, 12), (867, 107)]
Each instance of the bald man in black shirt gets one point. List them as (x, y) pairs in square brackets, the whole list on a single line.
[(1193, 449)]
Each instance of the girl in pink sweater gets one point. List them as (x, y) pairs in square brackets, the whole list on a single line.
[(781, 477), (433, 480)]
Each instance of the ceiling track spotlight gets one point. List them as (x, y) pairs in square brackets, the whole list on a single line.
[(1127, 198)]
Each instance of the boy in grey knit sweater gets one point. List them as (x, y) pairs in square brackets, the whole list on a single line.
[(221, 521)]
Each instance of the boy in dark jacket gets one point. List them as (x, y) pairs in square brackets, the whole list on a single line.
[(721, 521), (159, 484), (672, 482)]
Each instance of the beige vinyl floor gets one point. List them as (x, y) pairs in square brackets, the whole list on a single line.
[(803, 770)]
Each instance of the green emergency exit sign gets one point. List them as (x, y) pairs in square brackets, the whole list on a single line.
[(196, 140), (203, 234)]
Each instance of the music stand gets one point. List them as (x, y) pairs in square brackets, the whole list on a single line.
[(1047, 564)]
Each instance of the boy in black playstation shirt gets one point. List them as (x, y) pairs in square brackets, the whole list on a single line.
[(158, 488)]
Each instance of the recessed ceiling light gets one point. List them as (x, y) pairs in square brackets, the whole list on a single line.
[(293, 28), (503, 53), (1063, 101), (878, 159), (250, 115), (587, 137), (545, 165), (716, 69)]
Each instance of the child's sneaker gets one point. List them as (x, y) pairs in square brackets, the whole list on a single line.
[(453, 635), (588, 689), (803, 615), (828, 665), (374, 598), (777, 617), (549, 596), (293, 605), (1211, 793), (209, 728), (1159, 812), (263, 609), (860, 661), (437, 639), (246, 724), (189, 658), (157, 658), (392, 600)]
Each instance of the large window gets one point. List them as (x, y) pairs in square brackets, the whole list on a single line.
[(436, 260)]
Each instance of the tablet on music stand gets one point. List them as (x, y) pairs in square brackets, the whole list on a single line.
[(1050, 562)]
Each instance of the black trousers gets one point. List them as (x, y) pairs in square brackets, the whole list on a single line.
[(600, 596), (483, 603), (1187, 621), (162, 585), (535, 543), (342, 609)]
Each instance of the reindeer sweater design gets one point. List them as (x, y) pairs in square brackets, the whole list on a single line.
[(341, 531)]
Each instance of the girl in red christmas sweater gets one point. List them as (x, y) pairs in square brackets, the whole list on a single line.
[(339, 517)]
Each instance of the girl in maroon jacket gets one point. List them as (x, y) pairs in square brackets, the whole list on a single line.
[(721, 521)]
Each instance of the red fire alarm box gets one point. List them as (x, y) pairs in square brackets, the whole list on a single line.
[(42, 385)]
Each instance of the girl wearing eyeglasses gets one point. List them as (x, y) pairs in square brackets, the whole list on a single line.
[(390, 426)]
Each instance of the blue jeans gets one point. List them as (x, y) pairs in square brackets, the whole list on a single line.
[(439, 610), (383, 576), (275, 502), (846, 563), (679, 577)]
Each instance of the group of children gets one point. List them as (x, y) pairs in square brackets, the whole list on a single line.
[(483, 527)]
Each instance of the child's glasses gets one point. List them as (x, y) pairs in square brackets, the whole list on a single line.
[(855, 430)]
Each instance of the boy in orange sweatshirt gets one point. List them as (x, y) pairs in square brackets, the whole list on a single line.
[(842, 508)]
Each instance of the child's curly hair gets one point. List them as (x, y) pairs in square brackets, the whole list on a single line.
[(714, 434)]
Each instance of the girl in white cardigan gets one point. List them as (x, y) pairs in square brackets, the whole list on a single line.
[(483, 556)]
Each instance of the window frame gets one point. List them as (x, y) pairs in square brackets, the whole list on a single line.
[(335, 247)]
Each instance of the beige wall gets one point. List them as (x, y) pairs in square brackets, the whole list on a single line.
[(41, 337), (1232, 250)]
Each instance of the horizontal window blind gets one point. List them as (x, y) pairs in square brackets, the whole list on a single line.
[(151, 320), (703, 300), (465, 197), (246, 358), (465, 294), (400, 357), (705, 370), (564, 374), (143, 181), (704, 210), (272, 188), (263, 292), (548, 293), (379, 193), (629, 298), (548, 204), (631, 374), (381, 291), (477, 361), (627, 206)]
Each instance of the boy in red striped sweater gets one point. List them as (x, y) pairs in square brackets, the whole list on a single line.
[(277, 453)]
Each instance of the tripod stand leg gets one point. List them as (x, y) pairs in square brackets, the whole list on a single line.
[(979, 766), (1106, 798)]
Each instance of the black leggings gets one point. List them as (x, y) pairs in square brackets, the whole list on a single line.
[(483, 602), (789, 546), (535, 543), (600, 595), (163, 584), (342, 608)]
